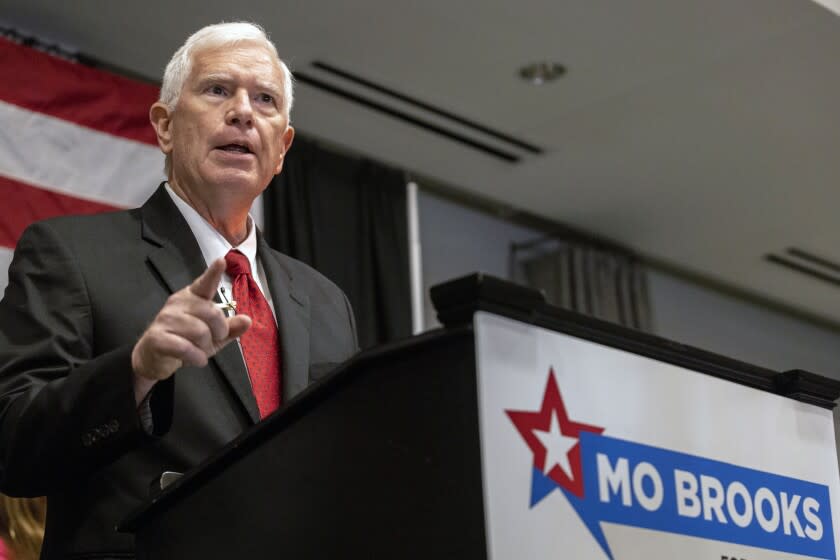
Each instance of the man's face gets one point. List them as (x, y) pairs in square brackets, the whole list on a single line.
[(228, 135)]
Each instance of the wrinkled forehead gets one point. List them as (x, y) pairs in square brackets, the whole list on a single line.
[(242, 55)]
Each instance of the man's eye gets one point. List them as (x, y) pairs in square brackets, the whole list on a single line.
[(216, 90), (266, 98)]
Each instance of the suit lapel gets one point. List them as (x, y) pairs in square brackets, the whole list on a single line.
[(177, 258), (291, 306)]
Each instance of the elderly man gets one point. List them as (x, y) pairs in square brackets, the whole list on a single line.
[(117, 361)]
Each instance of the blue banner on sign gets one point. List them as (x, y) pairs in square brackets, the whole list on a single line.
[(649, 487)]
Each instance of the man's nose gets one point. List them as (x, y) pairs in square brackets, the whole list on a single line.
[(240, 111)]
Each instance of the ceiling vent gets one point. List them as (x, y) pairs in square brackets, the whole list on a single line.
[(807, 263), (357, 89)]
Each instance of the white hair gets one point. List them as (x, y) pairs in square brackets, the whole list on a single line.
[(220, 34), (217, 35)]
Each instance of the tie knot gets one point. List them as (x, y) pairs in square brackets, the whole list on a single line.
[(237, 263)]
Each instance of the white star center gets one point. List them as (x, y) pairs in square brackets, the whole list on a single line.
[(557, 446)]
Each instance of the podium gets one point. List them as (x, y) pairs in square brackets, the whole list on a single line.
[(396, 455)]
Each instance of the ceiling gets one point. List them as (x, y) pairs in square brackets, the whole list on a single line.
[(701, 134)]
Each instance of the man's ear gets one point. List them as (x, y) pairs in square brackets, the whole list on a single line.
[(161, 118), (286, 141)]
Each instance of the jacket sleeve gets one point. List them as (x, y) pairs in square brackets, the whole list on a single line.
[(64, 411)]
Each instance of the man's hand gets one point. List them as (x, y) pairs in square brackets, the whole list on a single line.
[(186, 332)]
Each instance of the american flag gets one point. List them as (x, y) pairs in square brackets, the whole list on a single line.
[(73, 140)]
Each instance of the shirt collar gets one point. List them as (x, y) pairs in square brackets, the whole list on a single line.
[(213, 245)]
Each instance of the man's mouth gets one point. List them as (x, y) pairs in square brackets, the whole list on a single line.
[(236, 148)]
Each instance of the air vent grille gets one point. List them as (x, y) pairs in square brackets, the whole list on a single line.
[(807, 263), (415, 112)]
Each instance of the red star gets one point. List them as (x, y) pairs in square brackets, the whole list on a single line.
[(527, 422)]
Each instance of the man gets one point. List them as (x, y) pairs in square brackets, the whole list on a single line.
[(116, 363)]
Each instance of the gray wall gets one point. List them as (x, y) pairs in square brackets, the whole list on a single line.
[(457, 240), (694, 315)]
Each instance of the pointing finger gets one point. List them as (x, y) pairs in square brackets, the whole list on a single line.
[(205, 286)]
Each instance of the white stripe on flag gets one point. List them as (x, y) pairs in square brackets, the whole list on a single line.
[(5, 260), (64, 157)]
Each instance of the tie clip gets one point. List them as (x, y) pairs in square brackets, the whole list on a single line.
[(227, 305)]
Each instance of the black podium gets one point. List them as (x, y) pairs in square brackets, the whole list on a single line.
[(382, 458)]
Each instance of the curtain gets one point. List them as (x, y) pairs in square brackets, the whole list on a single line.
[(346, 217), (606, 284)]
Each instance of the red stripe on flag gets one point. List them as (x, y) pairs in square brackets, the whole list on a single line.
[(24, 204), (93, 98)]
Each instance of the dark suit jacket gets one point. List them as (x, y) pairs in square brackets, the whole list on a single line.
[(81, 291)]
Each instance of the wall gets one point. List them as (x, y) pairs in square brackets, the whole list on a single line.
[(694, 315), (458, 240)]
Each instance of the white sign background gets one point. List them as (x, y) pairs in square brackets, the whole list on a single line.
[(637, 399)]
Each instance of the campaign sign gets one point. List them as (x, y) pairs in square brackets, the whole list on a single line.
[(593, 452)]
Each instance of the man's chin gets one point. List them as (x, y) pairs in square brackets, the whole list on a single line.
[(238, 181)]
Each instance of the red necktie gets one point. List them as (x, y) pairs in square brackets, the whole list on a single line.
[(260, 344)]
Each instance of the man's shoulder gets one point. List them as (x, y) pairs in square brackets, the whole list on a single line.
[(304, 276), (98, 225), (81, 234), (331, 314)]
